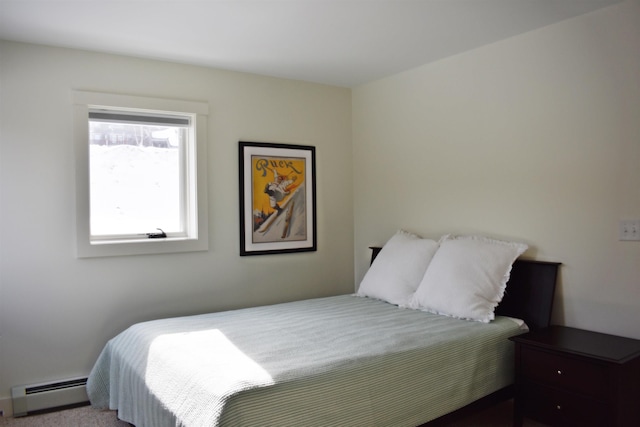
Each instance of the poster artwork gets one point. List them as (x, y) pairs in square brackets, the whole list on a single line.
[(278, 199)]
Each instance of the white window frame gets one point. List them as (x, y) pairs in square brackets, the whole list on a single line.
[(197, 236)]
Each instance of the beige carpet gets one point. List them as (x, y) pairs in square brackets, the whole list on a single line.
[(497, 416), (84, 416)]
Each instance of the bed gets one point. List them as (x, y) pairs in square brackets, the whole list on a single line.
[(347, 360)]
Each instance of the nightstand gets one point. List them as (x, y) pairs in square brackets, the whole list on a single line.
[(572, 377)]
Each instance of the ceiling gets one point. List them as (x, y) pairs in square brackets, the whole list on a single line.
[(337, 42)]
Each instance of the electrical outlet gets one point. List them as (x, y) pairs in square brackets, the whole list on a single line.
[(630, 229)]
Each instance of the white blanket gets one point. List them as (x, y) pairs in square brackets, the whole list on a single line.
[(341, 360)]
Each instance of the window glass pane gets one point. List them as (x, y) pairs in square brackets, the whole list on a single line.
[(135, 178)]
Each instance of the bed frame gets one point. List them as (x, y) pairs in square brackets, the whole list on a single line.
[(529, 296)]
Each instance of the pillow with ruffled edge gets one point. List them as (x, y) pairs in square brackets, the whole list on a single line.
[(398, 269), (467, 277)]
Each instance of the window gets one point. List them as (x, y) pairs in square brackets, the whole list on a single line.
[(141, 175)]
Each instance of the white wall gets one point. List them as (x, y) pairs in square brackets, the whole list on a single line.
[(535, 138), (56, 311)]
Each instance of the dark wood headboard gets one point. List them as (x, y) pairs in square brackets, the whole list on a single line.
[(530, 291)]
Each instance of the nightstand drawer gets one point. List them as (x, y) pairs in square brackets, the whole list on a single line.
[(567, 373), (558, 408), (569, 377)]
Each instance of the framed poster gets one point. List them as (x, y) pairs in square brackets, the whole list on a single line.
[(277, 198)]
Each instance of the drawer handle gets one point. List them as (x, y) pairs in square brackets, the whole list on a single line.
[(559, 372)]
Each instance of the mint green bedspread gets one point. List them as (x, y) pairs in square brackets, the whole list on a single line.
[(337, 361)]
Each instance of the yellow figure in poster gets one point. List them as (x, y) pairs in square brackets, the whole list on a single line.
[(279, 188)]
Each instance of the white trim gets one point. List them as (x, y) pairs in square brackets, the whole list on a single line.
[(198, 240)]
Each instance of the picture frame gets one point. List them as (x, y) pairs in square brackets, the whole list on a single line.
[(277, 198)]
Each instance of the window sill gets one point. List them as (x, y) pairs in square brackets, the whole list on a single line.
[(140, 240), (108, 248)]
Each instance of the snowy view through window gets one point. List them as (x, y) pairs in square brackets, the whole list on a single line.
[(135, 178)]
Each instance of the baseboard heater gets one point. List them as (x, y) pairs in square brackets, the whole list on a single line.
[(32, 398)]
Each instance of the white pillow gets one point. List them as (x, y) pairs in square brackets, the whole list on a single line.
[(397, 270), (467, 277)]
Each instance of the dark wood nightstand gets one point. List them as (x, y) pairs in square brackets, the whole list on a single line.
[(572, 377)]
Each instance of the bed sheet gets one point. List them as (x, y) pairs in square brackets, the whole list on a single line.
[(344, 360)]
